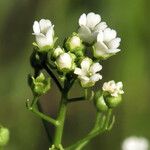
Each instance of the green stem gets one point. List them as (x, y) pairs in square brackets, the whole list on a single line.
[(97, 129), (39, 114), (61, 119), (43, 116), (53, 76), (108, 116)]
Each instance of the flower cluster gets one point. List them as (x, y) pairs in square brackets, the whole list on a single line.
[(80, 54), (93, 35), (77, 59)]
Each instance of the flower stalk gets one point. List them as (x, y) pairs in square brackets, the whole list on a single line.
[(61, 119)]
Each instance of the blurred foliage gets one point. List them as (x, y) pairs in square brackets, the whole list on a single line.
[(131, 65)]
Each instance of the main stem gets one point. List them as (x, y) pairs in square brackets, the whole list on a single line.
[(61, 120)]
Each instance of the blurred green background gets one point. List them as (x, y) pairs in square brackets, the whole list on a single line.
[(130, 18)]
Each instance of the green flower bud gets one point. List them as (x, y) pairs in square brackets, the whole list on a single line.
[(4, 136), (40, 85), (113, 101), (100, 102), (74, 45)]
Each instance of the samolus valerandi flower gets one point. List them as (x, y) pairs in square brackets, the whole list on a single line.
[(88, 73), (107, 44), (114, 89), (74, 45), (90, 25), (44, 34), (135, 143), (65, 62)]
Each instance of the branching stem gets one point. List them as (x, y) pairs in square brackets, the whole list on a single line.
[(33, 109), (53, 76)]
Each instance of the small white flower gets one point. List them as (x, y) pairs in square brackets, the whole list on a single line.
[(65, 62), (135, 143), (107, 44), (58, 51), (113, 88), (88, 72), (44, 34), (90, 25)]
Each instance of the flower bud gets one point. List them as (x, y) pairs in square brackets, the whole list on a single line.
[(74, 45), (58, 51), (65, 62), (100, 102), (40, 85), (4, 136), (113, 101)]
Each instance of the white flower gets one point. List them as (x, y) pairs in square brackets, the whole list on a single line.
[(107, 44), (44, 34), (57, 52), (90, 25), (113, 88), (88, 72), (65, 62), (135, 143)]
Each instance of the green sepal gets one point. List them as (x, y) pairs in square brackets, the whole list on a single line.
[(40, 85), (112, 101), (100, 102)]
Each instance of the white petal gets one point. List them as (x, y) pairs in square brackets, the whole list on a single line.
[(85, 64), (101, 26), (109, 34), (45, 25), (100, 49), (93, 19), (114, 44), (78, 71), (85, 34), (95, 77), (84, 78), (95, 67), (42, 40), (120, 85), (36, 27), (113, 51), (100, 36), (82, 20)]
